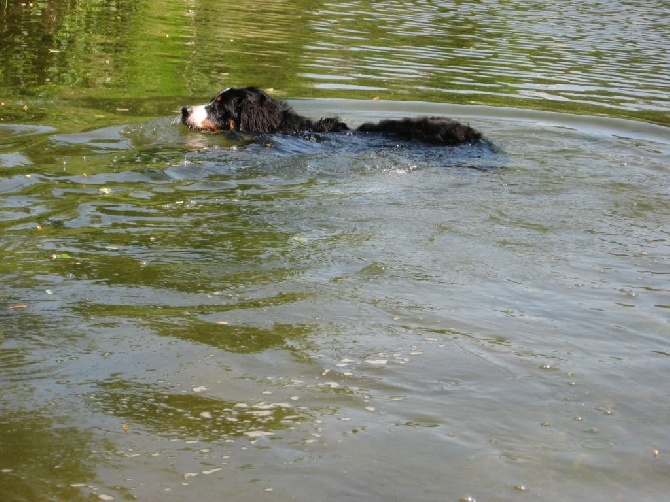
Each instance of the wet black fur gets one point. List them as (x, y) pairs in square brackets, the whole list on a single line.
[(252, 110), (434, 130)]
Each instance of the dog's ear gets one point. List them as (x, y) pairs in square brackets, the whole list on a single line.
[(229, 104), (223, 109), (259, 113)]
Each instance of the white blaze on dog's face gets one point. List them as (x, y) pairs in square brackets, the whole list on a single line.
[(197, 118), (204, 117), (219, 114)]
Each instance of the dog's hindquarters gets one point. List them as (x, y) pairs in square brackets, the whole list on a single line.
[(433, 130), (329, 124)]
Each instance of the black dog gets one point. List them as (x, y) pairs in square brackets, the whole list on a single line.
[(251, 110)]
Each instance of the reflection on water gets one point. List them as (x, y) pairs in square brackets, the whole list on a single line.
[(583, 57), (583, 54), (194, 416), (183, 314), (33, 444)]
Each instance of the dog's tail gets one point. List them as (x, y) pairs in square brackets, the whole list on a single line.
[(434, 130)]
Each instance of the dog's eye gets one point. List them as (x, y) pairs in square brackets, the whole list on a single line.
[(218, 98)]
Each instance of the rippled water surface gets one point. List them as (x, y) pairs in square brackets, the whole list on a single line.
[(186, 316)]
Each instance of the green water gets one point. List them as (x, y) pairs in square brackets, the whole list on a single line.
[(79, 63), (187, 318)]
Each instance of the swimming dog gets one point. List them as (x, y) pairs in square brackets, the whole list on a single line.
[(252, 110)]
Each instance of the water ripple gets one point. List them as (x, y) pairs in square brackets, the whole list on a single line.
[(567, 56)]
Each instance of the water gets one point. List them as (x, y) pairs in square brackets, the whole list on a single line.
[(345, 318)]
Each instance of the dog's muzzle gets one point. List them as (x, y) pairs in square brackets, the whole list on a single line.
[(196, 117)]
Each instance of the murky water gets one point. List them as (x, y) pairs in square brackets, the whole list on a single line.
[(185, 317)]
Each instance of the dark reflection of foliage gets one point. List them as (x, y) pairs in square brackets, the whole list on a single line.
[(60, 44), (40, 39), (191, 416), (189, 275), (49, 48), (243, 339), (189, 261), (39, 458), (176, 322)]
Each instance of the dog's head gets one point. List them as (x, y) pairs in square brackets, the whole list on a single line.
[(247, 109)]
